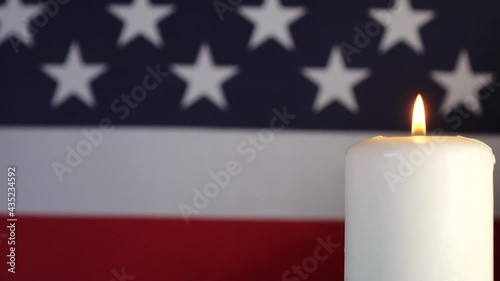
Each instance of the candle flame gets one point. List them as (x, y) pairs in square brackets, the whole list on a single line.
[(418, 120)]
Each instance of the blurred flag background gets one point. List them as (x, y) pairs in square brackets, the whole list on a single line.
[(205, 140)]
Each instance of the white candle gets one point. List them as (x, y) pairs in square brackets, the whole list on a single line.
[(419, 208)]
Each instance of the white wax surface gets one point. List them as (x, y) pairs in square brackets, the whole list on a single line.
[(419, 209)]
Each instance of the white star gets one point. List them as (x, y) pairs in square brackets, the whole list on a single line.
[(462, 85), (402, 24), (73, 78), (15, 17), (141, 18), (271, 22), (335, 82), (204, 78)]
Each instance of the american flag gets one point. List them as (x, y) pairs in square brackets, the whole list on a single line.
[(205, 140)]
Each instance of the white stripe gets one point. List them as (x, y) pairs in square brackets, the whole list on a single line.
[(139, 171)]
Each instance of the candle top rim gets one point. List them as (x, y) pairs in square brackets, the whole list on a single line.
[(442, 143), (424, 138), (440, 140)]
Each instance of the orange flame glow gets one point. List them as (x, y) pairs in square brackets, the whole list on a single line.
[(418, 120)]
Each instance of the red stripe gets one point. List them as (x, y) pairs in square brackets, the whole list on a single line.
[(82, 249)]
